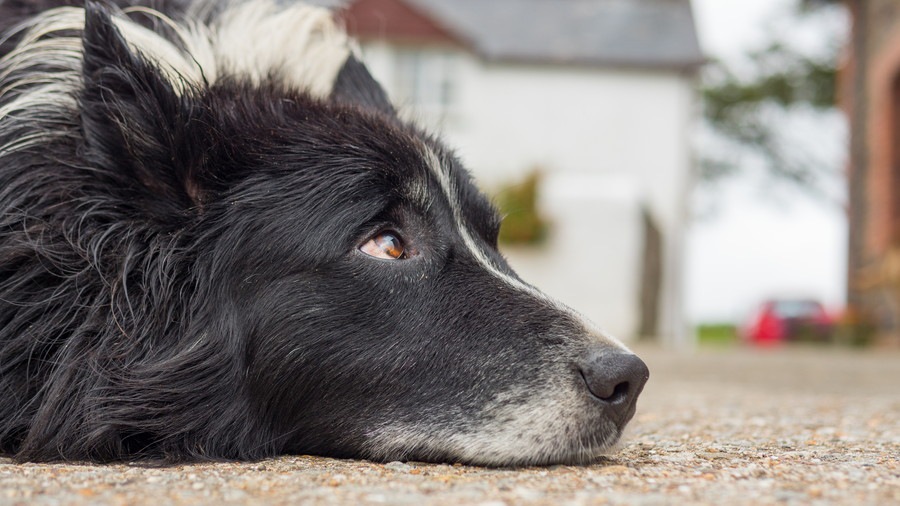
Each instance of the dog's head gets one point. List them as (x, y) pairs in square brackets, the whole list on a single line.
[(347, 265)]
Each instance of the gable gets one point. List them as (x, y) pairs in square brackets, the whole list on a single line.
[(396, 21)]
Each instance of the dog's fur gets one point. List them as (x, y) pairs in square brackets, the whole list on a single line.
[(183, 197)]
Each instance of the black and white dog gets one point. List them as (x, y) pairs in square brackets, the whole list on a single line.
[(218, 241)]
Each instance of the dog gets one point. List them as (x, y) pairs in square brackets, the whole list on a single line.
[(218, 240)]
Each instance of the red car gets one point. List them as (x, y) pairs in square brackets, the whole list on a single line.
[(782, 320)]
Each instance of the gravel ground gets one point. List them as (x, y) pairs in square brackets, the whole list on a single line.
[(802, 426)]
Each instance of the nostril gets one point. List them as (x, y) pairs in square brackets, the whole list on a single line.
[(619, 395), (601, 390), (615, 378)]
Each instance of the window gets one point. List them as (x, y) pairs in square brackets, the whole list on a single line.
[(425, 81)]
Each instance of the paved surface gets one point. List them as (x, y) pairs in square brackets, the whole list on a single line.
[(798, 426)]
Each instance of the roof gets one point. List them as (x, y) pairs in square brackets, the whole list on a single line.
[(641, 33)]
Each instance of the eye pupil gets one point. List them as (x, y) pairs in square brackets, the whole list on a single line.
[(385, 245), (390, 244)]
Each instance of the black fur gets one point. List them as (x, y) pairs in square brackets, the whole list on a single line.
[(181, 279)]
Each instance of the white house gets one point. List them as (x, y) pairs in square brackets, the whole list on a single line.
[(599, 94)]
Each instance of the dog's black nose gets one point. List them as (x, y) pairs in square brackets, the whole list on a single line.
[(616, 379)]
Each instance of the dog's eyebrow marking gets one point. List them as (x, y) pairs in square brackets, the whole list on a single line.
[(452, 196)]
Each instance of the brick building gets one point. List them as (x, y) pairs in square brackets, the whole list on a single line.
[(871, 97)]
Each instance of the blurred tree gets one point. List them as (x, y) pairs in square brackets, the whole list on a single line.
[(747, 110)]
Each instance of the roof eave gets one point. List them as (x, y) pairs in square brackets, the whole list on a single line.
[(692, 65)]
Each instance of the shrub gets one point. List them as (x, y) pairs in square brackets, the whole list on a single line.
[(522, 222)]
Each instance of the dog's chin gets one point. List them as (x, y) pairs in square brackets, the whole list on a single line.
[(574, 453), (575, 442), (589, 456)]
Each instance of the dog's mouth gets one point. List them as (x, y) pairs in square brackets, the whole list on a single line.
[(563, 426)]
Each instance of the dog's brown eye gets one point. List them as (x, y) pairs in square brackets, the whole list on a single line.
[(386, 245)]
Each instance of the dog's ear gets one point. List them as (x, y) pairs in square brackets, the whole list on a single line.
[(355, 85), (135, 125)]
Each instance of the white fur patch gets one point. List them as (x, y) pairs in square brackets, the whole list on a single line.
[(524, 427), (255, 39), (37, 80), (298, 44)]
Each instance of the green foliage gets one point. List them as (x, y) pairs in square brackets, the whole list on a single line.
[(785, 78), (522, 223), (746, 111)]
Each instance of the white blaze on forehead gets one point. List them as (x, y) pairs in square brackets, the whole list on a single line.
[(452, 195)]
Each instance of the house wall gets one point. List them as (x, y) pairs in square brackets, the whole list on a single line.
[(575, 120), (609, 143)]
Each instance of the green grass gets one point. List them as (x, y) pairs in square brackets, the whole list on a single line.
[(717, 334)]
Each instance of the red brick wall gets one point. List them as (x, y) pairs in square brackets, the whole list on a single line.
[(869, 82), (871, 99)]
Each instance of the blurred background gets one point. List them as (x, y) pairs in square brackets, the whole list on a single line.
[(679, 171)]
